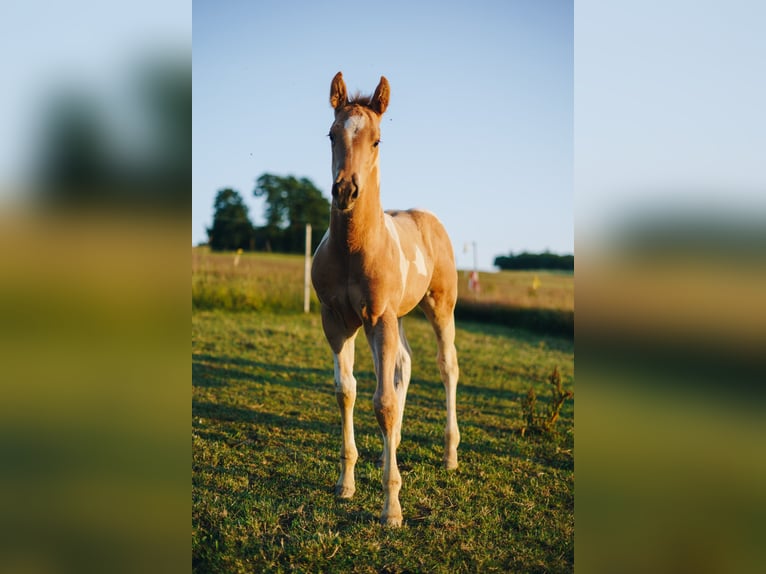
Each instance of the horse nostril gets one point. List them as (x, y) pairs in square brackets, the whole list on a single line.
[(345, 192)]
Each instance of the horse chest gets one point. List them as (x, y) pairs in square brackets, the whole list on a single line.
[(364, 297)]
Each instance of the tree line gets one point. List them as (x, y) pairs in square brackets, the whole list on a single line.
[(291, 203), (527, 261)]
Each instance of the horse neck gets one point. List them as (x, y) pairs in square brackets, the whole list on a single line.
[(358, 230)]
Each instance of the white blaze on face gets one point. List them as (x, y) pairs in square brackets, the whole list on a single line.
[(353, 124), (404, 265)]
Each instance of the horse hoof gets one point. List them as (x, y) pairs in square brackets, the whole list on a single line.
[(450, 464), (344, 491), (391, 521)]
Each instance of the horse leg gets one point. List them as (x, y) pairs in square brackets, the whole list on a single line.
[(402, 374), (443, 322), (345, 394), (384, 343), (449, 370)]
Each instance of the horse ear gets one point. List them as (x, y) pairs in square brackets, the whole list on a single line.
[(379, 101), (338, 94)]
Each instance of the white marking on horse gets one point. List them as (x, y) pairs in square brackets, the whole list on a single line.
[(353, 124), (336, 368), (420, 262), (404, 265)]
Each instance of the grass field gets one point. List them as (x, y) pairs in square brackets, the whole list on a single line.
[(266, 440)]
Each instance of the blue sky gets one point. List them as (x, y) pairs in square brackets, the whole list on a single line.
[(479, 128)]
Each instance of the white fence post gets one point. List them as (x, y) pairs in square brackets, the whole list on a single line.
[(307, 271)]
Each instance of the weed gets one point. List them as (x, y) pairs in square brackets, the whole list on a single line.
[(545, 422)]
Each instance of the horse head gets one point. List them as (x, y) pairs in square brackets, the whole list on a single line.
[(354, 136)]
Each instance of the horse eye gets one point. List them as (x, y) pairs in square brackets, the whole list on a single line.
[(376, 143), (332, 138)]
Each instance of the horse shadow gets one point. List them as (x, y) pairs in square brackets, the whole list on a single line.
[(205, 366)]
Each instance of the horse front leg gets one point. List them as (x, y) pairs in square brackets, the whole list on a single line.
[(345, 394), (383, 338)]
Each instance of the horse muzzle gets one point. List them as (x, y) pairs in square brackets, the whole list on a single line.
[(344, 193)]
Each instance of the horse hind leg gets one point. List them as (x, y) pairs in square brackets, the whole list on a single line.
[(449, 370), (443, 322)]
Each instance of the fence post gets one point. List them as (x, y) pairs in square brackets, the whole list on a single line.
[(307, 271)]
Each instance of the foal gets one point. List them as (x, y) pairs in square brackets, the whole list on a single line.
[(370, 269)]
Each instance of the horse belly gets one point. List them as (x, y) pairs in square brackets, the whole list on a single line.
[(413, 292)]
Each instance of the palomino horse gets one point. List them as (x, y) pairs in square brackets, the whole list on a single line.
[(370, 269)]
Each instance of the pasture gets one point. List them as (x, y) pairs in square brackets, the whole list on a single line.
[(266, 436)]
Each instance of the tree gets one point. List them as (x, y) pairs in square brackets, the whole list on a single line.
[(526, 261), (291, 203), (231, 228)]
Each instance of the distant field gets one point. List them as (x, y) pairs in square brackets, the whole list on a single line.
[(555, 290), (266, 436), (263, 281), (259, 282)]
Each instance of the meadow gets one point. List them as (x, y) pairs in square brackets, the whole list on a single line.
[(266, 437)]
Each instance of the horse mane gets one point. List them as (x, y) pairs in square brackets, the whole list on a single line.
[(360, 99)]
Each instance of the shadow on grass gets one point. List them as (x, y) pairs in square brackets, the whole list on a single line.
[(305, 377), (303, 434), (261, 419), (490, 394), (552, 322), (515, 323), (553, 341), (249, 363), (207, 376)]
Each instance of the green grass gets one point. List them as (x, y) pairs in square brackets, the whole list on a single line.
[(266, 440), (266, 432)]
